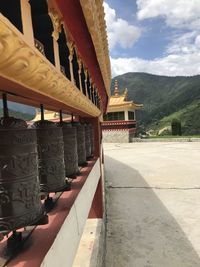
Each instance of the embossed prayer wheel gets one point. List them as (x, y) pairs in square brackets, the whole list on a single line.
[(19, 184), (80, 143), (51, 156), (70, 149), (87, 141)]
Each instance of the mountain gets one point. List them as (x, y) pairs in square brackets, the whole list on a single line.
[(20, 107), (18, 114), (164, 98), (19, 111)]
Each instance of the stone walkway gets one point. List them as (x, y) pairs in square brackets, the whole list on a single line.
[(153, 204)]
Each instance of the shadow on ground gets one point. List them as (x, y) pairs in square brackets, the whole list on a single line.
[(140, 230)]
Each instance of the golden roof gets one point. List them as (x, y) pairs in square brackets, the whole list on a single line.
[(120, 100), (49, 115)]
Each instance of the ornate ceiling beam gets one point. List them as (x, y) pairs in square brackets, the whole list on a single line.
[(75, 21), (24, 65)]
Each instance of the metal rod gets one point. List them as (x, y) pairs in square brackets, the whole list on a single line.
[(5, 106), (42, 112), (61, 117)]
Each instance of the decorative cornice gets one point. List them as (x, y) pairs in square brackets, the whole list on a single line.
[(56, 21), (71, 49), (94, 15), (79, 63), (25, 65)]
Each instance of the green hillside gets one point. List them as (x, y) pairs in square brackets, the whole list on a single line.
[(164, 98), (18, 114)]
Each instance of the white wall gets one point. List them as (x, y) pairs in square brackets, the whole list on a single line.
[(63, 250)]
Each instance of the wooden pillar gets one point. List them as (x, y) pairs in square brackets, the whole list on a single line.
[(126, 115), (79, 73), (56, 21), (96, 210), (27, 21), (86, 91), (71, 52), (90, 89), (97, 207)]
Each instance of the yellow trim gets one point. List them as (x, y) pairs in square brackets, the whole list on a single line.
[(121, 108), (49, 115), (93, 11), (25, 65)]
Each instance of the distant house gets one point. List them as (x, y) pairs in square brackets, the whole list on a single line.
[(119, 123)]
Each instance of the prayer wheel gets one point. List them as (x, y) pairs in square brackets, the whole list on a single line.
[(19, 184), (70, 149), (87, 141), (51, 156), (80, 143)]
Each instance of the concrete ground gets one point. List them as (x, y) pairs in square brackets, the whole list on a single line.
[(153, 204)]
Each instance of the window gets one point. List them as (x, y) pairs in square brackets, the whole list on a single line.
[(114, 116), (131, 115)]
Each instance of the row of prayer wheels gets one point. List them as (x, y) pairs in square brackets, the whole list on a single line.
[(37, 159)]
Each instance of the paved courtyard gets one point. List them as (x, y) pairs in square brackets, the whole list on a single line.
[(153, 204)]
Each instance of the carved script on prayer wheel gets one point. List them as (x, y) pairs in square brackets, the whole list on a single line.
[(87, 141), (70, 149), (51, 156), (20, 203), (80, 143)]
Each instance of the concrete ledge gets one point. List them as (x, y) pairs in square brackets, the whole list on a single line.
[(119, 136), (63, 250), (91, 248), (166, 140)]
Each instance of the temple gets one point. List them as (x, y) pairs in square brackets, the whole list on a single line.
[(120, 123), (54, 56)]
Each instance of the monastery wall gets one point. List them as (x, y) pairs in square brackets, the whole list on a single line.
[(116, 136)]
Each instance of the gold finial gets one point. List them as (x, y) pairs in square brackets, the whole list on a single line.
[(116, 91), (126, 93)]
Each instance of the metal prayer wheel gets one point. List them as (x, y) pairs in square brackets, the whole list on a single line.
[(70, 149), (80, 143), (19, 184), (51, 156), (88, 141)]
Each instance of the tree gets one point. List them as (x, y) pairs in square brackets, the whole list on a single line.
[(176, 127)]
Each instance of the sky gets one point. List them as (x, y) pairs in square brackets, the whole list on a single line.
[(155, 36)]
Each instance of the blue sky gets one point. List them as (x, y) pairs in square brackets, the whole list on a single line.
[(155, 36)]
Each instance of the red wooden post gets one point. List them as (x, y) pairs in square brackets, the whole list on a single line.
[(96, 210)]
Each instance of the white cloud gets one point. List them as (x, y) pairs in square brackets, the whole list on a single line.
[(186, 43), (182, 55), (120, 32), (177, 13), (171, 65)]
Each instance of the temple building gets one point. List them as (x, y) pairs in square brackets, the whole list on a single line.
[(120, 125), (54, 56)]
